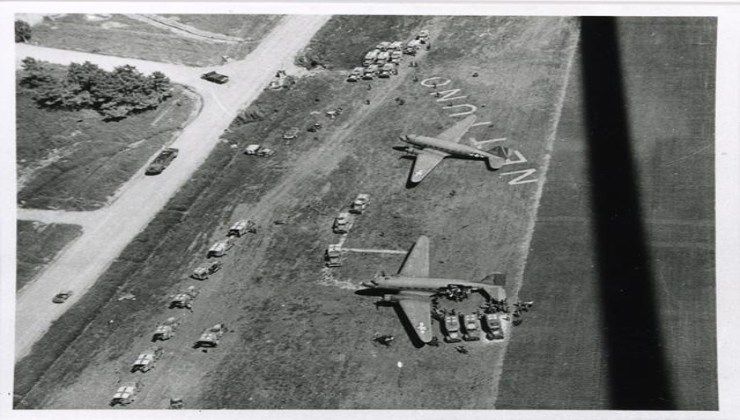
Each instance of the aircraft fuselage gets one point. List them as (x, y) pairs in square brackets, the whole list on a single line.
[(432, 285), (450, 147)]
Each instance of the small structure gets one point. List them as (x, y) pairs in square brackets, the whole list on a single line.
[(146, 361), (219, 248), (204, 271), (342, 223), (360, 203), (185, 299), (211, 336), (241, 227), (166, 330), (125, 394), (333, 255)]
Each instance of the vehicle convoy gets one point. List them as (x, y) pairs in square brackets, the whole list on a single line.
[(125, 394), (451, 329), (342, 223), (241, 227), (162, 161), (360, 203), (185, 299), (62, 297), (204, 271), (370, 57), (146, 361), (386, 71), (471, 327), (370, 72), (356, 74), (257, 150), (214, 77), (166, 330), (492, 325), (333, 256), (211, 336), (219, 248)]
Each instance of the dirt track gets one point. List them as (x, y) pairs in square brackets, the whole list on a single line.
[(142, 197)]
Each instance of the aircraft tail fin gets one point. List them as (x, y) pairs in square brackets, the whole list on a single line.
[(500, 155)]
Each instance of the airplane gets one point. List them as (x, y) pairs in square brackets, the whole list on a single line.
[(412, 288), (430, 151)]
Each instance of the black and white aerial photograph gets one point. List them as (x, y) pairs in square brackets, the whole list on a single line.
[(390, 211)]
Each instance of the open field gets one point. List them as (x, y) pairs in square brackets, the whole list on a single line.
[(126, 37), (559, 359), (296, 341), (76, 161), (37, 245)]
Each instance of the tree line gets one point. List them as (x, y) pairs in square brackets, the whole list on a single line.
[(114, 94)]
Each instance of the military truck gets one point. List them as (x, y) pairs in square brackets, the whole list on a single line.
[(185, 299), (162, 161), (396, 46), (342, 223), (370, 72), (214, 77), (386, 71), (241, 227), (423, 36), (383, 46), (146, 360), (333, 256), (412, 47), (356, 73), (396, 57), (360, 203), (471, 327), (291, 134), (370, 57), (383, 58), (125, 394), (257, 150), (211, 336), (204, 271), (219, 248), (166, 330), (451, 329), (492, 325)]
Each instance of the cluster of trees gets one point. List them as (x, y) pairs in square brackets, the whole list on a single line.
[(22, 31), (114, 94)]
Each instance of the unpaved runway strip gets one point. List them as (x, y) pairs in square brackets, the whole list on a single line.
[(85, 260)]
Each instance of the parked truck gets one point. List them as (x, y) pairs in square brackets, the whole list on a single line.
[(451, 329), (360, 203), (219, 248), (333, 256), (386, 71), (204, 271), (211, 336), (356, 73), (147, 360), (185, 299), (492, 325), (342, 223), (241, 227), (125, 394), (166, 330), (370, 57), (471, 327)]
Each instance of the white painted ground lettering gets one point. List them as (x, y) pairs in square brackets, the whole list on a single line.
[(430, 82), (521, 179), (447, 95), (471, 109)]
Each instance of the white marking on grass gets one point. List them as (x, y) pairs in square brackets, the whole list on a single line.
[(518, 277), (375, 251), (480, 123)]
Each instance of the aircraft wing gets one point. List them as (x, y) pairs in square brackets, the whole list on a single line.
[(456, 132), (418, 312), (417, 261), (426, 160)]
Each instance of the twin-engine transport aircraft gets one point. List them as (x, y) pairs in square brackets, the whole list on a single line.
[(430, 151), (412, 288)]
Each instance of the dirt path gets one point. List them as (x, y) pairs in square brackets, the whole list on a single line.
[(142, 197), (184, 30)]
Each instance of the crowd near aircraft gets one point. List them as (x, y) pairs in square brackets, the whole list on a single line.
[(412, 288), (430, 151)]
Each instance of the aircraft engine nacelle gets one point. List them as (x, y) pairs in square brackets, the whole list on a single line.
[(411, 150), (390, 298)]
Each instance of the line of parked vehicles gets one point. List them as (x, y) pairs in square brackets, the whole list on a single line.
[(210, 337), (382, 61)]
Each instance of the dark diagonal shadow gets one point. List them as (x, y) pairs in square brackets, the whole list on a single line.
[(638, 376)]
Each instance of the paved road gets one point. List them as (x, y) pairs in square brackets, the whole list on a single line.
[(140, 199)]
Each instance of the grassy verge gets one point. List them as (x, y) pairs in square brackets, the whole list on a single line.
[(75, 160), (121, 36), (38, 244), (344, 40)]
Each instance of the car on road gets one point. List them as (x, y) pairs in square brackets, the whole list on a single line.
[(62, 297), (214, 77), (162, 161)]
